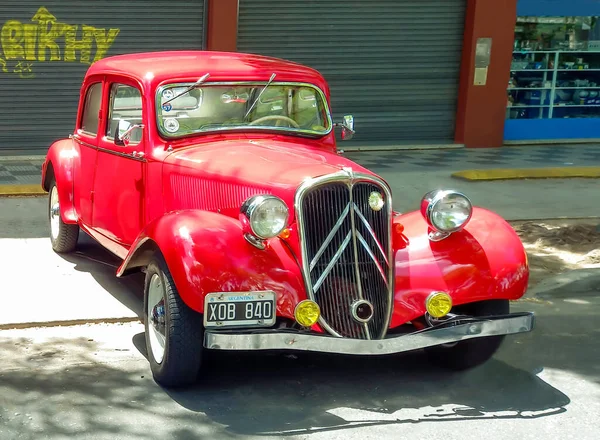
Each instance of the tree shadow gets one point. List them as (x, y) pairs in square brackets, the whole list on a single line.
[(307, 393), (85, 396)]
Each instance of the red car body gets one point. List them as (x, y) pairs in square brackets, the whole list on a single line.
[(182, 198)]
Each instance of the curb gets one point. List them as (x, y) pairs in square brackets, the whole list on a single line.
[(68, 323), (22, 190), (527, 173)]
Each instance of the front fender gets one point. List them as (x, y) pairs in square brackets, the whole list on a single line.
[(206, 252), (486, 260), (59, 163)]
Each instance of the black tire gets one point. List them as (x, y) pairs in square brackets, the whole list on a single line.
[(65, 240), (473, 352), (183, 326)]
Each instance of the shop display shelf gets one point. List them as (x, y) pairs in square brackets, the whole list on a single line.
[(529, 88), (528, 106), (532, 70), (575, 105), (578, 70)]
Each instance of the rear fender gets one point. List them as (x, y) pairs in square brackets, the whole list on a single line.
[(484, 261), (207, 252), (59, 164)]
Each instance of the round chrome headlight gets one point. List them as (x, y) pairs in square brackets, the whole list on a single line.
[(267, 215), (446, 211)]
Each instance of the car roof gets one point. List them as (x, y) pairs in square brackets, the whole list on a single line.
[(153, 68)]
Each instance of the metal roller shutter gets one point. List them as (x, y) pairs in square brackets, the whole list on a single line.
[(393, 64), (46, 50)]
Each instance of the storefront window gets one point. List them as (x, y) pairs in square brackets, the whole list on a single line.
[(555, 71)]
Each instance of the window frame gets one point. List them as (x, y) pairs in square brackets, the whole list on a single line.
[(311, 134), (109, 137), (85, 107)]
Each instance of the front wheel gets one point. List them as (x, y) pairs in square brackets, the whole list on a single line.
[(63, 236), (472, 352), (173, 331)]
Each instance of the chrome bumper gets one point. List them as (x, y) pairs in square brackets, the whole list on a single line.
[(442, 334)]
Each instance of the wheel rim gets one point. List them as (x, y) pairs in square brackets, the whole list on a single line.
[(156, 318), (54, 213)]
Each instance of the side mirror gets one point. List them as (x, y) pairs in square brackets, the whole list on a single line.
[(123, 132), (347, 127)]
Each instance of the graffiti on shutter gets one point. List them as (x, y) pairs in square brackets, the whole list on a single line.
[(45, 39)]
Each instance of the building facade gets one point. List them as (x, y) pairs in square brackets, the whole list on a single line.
[(412, 72)]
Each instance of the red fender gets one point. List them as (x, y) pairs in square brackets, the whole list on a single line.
[(206, 252), (60, 158), (486, 260)]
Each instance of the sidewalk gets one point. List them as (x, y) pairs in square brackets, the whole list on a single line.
[(412, 173)]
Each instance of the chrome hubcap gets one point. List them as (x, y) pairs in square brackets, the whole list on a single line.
[(156, 315), (54, 213)]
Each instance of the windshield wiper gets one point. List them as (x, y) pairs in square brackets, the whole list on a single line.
[(258, 97), (189, 89)]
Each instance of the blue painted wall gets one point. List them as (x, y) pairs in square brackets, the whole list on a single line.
[(563, 8)]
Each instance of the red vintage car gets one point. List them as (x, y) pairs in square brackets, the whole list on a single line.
[(218, 175)]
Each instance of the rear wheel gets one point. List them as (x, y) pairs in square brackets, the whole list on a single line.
[(173, 331), (473, 352), (62, 235)]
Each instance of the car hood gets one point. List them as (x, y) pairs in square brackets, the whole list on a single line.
[(219, 176), (266, 162)]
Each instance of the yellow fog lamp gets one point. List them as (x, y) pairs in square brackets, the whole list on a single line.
[(438, 304), (307, 313)]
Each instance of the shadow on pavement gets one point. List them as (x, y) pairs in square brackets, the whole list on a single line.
[(92, 258), (276, 395), (248, 394)]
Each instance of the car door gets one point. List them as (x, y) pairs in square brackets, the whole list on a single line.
[(119, 180), (86, 136)]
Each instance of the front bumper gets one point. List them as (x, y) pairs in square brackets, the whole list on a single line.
[(455, 331)]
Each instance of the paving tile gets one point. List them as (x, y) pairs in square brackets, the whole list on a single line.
[(35, 173)]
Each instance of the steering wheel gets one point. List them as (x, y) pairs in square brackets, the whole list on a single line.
[(277, 118)]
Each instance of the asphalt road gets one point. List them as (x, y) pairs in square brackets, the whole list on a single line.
[(93, 381)]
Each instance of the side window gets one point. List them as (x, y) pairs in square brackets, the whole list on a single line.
[(125, 103), (91, 109)]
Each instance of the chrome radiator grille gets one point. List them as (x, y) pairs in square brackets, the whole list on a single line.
[(346, 254)]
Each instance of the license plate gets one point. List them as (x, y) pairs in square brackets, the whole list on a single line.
[(239, 309)]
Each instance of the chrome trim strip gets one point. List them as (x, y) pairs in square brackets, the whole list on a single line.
[(362, 241), (336, 228), (334, 260), (277, 340), (123, 155), (106, 150), (80, 141), (372, 232), (361, 296), (344, 177)]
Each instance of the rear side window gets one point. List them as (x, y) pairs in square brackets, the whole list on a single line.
[(91, 109)]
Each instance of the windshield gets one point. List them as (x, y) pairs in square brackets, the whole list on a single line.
[(294, 108)]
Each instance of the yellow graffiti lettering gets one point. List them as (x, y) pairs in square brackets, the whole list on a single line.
[(11, 38), (47, 40), (23, 70), (104, 41), (42, 40), (84, 45), (30, 37)]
